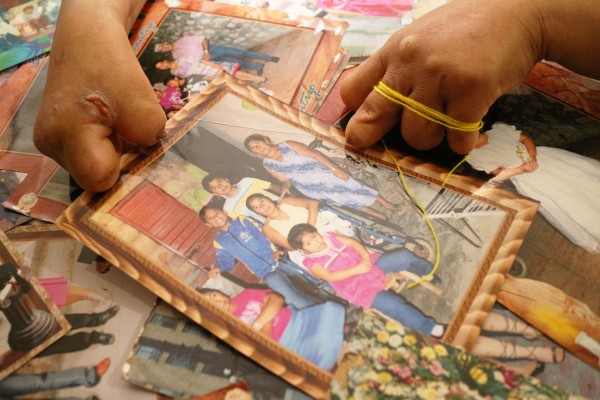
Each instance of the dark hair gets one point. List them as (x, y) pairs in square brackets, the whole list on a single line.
[(211, 177), (169, 110), (211, 205), (257, 196), (169, 79), (257, 137), (295, 236), (158, 62)]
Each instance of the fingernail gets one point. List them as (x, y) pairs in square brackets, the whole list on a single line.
[(353, 140)]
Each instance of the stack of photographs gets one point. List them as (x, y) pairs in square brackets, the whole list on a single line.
[(252, 202)]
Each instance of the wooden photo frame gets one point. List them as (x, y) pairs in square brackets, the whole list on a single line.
[(263, 42), (44, 188), (148, 224), (30, 320), (105, 310)]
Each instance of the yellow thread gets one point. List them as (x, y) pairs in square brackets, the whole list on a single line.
[(426, 112), (422, 208), (453, 169)]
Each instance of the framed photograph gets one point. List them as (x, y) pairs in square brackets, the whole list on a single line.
[(105, 311), (183, 47), (248, 201), (577, 91), (30, 321), (26, 29), (32, 184), (157, 363)]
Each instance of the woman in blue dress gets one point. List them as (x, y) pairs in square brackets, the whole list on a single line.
[(315, 176)]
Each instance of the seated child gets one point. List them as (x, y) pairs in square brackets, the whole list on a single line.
[(359, 277), (315, 333)]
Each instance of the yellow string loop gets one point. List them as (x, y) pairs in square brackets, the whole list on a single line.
[(425, 215), (453, 169), (426, 112)]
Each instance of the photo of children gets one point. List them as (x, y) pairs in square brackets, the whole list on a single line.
[(195, 46), (342, 233), (264, 209)]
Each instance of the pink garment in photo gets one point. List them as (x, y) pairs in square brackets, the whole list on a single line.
[(249, 304), (188, 46), (358, 289), (377, 8), (56, 289), (171, 98)]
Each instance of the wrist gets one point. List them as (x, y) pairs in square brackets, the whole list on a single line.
[(568, 29)]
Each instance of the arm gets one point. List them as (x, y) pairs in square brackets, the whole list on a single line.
[(96, 116), (213, 64), (320, 272), (356, 245), (529, 165), (531, 150), (225, 261), (303, 149), (444, 60), (275, 188), (271, 307), (362, 267), (206, 56), (502, 174), (284, 183), (311, 205), (276, 238)]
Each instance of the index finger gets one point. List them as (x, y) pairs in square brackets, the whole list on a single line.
[(375, 115)]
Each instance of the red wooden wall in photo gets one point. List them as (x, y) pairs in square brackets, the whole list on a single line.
[(154, 212)]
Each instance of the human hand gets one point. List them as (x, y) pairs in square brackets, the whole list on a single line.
[(278, 254), (214, 272), (97, 103), (363, 267), (457, 59), (530, 165), (285, 190)]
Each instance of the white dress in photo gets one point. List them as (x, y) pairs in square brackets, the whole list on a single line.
[(566, 184)]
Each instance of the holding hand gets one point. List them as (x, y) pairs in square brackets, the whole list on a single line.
[(278, 254), (363, 267), (97, 100), (459, 58)]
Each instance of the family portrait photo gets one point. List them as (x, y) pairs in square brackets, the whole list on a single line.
[(290, 57), (247, 219)]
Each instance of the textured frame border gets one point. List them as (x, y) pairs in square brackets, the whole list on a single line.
[(465, 325), (15, 359), (315, 79)]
